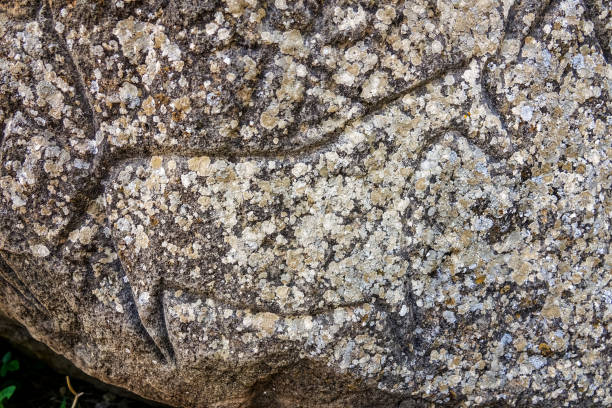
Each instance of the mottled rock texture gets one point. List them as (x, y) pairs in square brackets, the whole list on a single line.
[(300, 203)]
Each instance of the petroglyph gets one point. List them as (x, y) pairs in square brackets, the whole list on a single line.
[(402, 197)]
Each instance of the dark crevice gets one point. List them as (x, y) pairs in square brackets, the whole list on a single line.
[(284, 387), (487, 93), (47, 21), (324, 144), (166, 343), (11, 277), (129, 303), (92, 189), (602, 36), (131, 307), (514, 28), (236, 304), (542, 8), (19, 288)]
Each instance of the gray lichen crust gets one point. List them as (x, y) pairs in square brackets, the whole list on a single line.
[(341, 203)]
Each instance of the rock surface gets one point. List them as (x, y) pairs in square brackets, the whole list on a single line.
[(343, 203)]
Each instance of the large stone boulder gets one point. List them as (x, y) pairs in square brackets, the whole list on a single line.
[(302, 203)]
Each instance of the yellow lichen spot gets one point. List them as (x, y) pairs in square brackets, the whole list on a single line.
[(156, 162), (421, 184), (268, 118), (545, 349), (266, 322), (142, 240), (148, 106), (86, 234), (480, 280), (551, 309), (377, 196), (199, 165), (182, 104), (204, 202), (386, 14), (282, 292), (521, 274), (375, 86), (520, 343), (292, 43), (159, 40), (237, 7)]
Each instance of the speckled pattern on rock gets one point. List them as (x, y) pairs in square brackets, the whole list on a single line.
[(302, 203)]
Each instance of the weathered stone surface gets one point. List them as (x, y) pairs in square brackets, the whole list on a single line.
[(309, 203)]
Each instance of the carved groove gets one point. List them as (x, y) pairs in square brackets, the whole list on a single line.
[(12, 279), (602, 36)]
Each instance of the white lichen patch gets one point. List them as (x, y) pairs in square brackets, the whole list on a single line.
[(40, 251)]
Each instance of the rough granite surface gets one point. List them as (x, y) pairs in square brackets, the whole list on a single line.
[(342, 203)]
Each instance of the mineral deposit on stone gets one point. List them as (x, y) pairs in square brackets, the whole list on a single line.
[(308, 203)]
